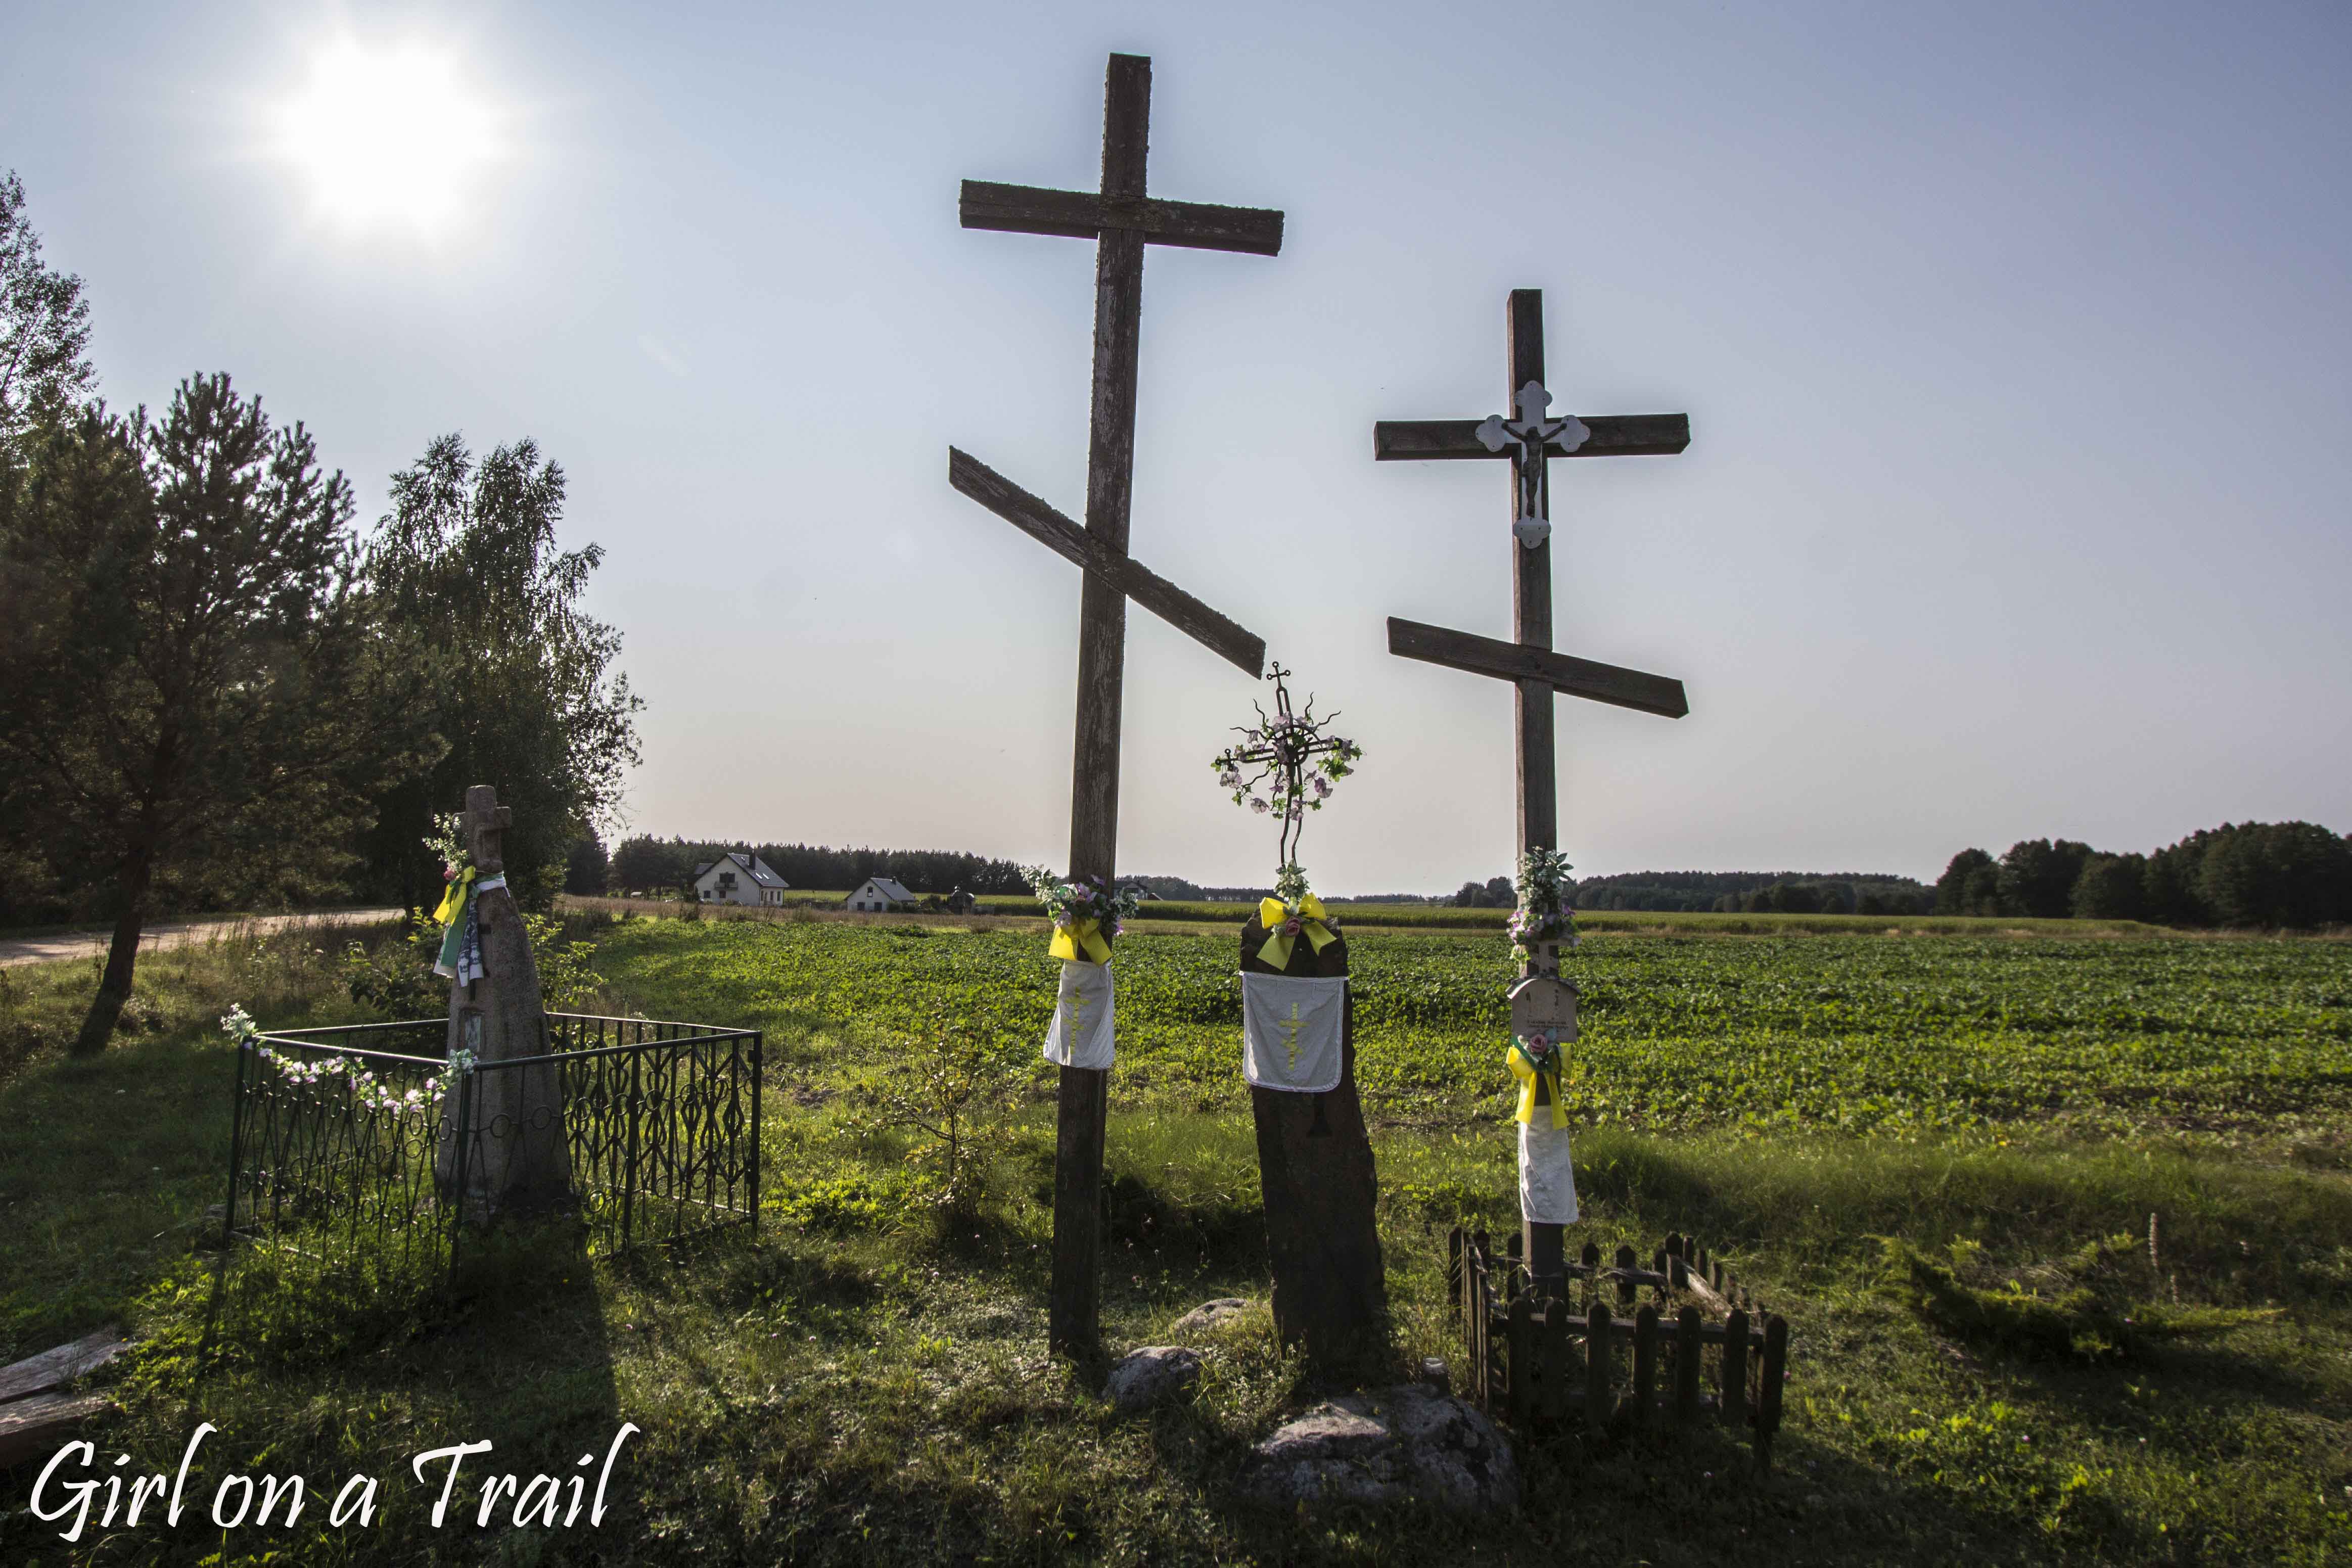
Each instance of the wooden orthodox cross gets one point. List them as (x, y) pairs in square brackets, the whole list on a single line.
[(1527, 661), (1122, 219)]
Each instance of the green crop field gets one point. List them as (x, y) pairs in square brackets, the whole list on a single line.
[(1862, 1035), (1842, 1113)]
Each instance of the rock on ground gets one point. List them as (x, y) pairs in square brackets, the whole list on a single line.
[(1398, 1445), (1155, 1373), (1210, 1315)]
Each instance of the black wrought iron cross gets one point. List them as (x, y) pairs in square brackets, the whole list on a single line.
[(1282, 745), (1529, 662), (1121, 219)]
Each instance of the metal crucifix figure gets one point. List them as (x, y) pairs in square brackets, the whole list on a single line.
[(1531, 433)]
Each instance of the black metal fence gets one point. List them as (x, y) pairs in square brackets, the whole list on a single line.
[(359, 1150)]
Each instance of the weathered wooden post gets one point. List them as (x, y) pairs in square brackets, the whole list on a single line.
[(1122, 219), (1529, 440), (510, 1157), (1314, 1152)]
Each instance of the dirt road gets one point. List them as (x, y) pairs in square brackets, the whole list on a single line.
[(178, 933)]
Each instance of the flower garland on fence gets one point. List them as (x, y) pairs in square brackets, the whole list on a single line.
[(1543, 914), (368, 1092), (1297, 760), (1086, 914)]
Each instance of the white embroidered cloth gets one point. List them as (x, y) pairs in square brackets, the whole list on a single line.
[(1546, 1178), (1082, 1033), (1291, 1027)]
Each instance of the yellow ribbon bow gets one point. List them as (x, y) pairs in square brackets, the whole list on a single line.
[(453, 902), (1528, 1076), (1274, 914), (1087, 934)]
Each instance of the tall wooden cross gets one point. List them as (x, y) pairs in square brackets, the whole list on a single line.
[(1527, 661), (1121, 219)]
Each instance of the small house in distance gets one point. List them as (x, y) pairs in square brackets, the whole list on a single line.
[(738, 878), (880, 894)]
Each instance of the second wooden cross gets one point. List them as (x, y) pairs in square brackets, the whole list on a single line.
[(1121, 219)]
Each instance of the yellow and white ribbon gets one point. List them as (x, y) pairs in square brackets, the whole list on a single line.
[(1275, 917), (1085, 934), (1524, 1068)]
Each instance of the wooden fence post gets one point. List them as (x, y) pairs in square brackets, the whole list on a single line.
[(1521, 1371), (1735, 1368), (1776, 1373), (1625, 1263), (1645, 1362), (1598, 1395), (1553, 1336), (1687, 1356)]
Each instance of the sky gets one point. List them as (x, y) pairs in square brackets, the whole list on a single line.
[(2013, 339)]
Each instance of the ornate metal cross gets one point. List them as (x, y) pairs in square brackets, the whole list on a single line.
[(1281, 747), (1122, 219)]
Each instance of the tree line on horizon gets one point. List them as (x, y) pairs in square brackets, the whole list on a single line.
[(218, 694), (2270, 876), (2274, 876)]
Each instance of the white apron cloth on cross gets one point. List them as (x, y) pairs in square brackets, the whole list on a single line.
[(1291, 1029), (1082, 1035), (1547, 1179)]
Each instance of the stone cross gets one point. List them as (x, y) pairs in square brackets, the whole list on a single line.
[(512, 1158), (1527, 661), (485, 823), (1122, 219)]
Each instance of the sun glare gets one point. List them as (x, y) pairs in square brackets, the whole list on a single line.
[(389, 136)]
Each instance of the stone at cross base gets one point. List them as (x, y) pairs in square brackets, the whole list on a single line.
[(1314, 1169), (515, 1162)]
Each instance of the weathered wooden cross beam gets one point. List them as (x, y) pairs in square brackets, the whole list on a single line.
[(1122, 219), (1529, 441)]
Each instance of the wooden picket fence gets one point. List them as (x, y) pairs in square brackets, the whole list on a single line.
[(1699, 1349)]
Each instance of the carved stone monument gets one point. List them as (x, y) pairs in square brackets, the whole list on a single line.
[(512, 1159)]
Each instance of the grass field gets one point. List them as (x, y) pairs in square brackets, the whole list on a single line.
[(867, 1384)]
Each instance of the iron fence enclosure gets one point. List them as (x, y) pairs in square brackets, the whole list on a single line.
[(350, 1147)]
